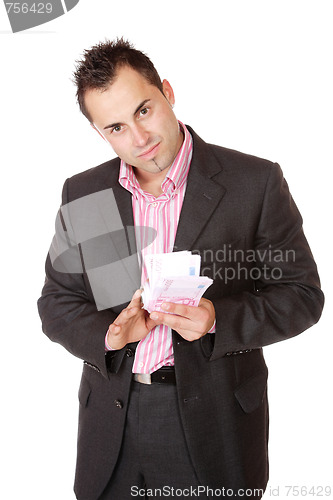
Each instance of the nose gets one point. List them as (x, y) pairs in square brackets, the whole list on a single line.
[(140, 135)]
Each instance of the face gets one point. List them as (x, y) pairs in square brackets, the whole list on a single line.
[(137, 120)]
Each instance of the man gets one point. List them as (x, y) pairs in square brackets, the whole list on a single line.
[(173, 399)]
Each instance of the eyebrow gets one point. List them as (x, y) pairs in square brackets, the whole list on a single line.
[(135, 112)]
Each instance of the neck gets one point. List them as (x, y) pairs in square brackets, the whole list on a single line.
[(150, 182)]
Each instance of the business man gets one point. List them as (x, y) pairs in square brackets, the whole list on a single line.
[(171, 402)]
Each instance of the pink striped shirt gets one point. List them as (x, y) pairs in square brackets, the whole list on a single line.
[(161, 214)]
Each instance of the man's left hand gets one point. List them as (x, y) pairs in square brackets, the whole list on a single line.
[(189, 321)]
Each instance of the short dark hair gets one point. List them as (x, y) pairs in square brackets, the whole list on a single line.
[(99, 65)]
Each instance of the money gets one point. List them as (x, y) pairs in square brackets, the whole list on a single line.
[(173, 277)]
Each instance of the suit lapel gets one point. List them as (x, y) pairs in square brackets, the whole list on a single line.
[(124, 203), (202, 195)]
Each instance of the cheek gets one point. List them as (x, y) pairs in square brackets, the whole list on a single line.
[(170, 125), (119, 146)]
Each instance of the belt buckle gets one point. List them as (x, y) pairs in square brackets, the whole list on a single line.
[(143, 378)]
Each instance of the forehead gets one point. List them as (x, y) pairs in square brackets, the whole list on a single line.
[(119, 101), (128, 81)]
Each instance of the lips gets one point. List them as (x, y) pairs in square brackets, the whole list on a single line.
[(150, 153)]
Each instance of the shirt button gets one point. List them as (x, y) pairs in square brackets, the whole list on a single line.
[(118, 403), (154, 204), (141, 365), (129, 352)]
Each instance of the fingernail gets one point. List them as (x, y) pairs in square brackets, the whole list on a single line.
[(165, 306), (137, 294), (154, 316)]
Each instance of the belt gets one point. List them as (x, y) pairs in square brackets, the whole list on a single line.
[(165, 375)]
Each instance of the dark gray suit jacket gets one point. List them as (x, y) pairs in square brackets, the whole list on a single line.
[(239, 215)]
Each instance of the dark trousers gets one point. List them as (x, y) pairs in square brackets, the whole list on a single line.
[(154, 458)]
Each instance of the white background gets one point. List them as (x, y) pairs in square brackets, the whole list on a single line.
[(250, 75)]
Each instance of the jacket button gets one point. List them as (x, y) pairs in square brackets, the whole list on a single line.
[(129, 352), (118, 403)]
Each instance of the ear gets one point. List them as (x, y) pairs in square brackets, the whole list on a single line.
[(168, 92), (99, 133)]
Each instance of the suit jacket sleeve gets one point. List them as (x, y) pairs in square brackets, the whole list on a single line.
[(70, 316), (286, 298)]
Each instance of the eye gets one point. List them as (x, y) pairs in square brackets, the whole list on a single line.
[(144, 111), (116, 129)]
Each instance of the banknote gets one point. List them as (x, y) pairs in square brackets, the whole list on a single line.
[(162, 265), (173, 277)]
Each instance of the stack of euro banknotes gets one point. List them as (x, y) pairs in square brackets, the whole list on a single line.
[(173, 277)]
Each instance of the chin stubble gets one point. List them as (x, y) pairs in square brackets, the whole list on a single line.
[(157, 165)]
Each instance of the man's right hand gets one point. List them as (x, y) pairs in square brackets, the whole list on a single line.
[(132, 324)]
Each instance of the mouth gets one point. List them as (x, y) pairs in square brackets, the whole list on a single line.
[(150, 153)]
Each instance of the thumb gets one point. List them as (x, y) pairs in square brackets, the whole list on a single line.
[(151, 323), (136, 299)]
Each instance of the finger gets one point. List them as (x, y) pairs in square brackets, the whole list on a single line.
[(123, 318), (186, 328), (183, 310), (126, 314), (151, 323), (196, 319), (173, 321), (203, 313), (136, 299)]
